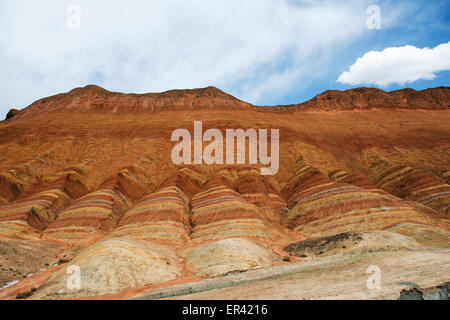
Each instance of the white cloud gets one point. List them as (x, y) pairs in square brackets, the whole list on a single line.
[(398, 65), (256, 50)]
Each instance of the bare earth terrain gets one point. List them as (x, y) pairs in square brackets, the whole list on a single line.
[(399, 270), (87, 182)]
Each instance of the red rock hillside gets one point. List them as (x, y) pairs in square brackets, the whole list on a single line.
[(86, 176)]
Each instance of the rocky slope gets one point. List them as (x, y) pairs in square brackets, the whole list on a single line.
[(96, 99), (87, 177), (365, 98)]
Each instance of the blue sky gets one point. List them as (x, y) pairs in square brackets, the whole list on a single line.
[(266, 52)]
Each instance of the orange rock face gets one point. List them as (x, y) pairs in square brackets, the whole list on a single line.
[(92, 166), (320, 207), (96, 99), (218, 212), (366, 98), (88, 219), (411, 183)]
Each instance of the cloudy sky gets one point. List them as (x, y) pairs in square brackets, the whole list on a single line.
[(263, 51)]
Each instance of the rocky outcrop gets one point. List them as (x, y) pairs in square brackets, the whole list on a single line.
[(440, 292), (319, 246), (412, 184), (229, 255), (32, 215), (220, 212), (11, 113), (321, 207), (111, 266), (163, 215), (88, 219), (262, 191), (36, 175), (96, 99), (367, 98)]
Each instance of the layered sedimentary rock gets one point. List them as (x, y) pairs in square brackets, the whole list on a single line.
[(113, 265), (133, 181), (11, 113), (319, 206), (262, 191), (73, 180), (3, 202), (354, 179), (14, 180), (36, 175), (228, 255), (189, 179), (28, 216), (93, 98), (88, 219), (33, 214), (220, 212), (365, 98), (90, 171), (164, 214), (411, 183)]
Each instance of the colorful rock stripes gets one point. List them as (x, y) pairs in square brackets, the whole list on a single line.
[(234, 202), (322, 207), (73, 179), (3, 202), (261, 191), (189, 179), (412, 184), (25, 179), (88, 219), (131, 182), (10, 185), (219, 212), (162, 215), (360, 181), (354, 179), (32, 214)]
